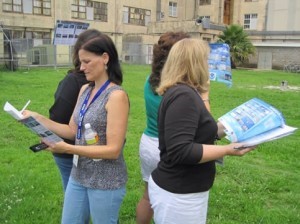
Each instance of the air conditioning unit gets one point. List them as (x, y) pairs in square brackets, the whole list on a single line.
[(204, 21)]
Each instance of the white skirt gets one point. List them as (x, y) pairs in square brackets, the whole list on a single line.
[(170, 208), (149, 155)]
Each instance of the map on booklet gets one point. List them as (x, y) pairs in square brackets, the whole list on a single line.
[(255, 122), (31, 123)]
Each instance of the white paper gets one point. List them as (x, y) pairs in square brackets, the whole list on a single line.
[(13, 111), (274, 134)]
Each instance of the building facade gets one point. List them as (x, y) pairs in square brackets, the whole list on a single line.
[(135, 25)]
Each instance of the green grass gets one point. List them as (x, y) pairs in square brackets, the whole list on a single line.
[(261, 187)]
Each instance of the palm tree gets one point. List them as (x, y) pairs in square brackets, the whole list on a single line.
[(240, 45)]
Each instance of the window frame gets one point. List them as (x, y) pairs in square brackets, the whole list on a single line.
[(15, 4), (136, 16), (102, 9), (79, 10), (45, 7), (249, 20), (173, 9)]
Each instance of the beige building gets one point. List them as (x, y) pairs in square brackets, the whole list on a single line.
[(136, 25)]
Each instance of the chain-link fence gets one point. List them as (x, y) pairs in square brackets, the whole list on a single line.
[(137, 53), (27, 53)]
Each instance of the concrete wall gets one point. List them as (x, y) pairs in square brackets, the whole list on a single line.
[(279, 56), (283, 15)]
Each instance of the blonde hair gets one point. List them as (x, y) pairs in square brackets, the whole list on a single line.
[(187, 63)]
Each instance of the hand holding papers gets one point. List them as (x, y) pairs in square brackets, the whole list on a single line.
[(31, 123), (255, 122)]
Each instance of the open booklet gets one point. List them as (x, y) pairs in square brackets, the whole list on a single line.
[(255, 122), (32, 124)]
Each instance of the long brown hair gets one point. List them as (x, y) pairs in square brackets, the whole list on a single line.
[(160, 54)]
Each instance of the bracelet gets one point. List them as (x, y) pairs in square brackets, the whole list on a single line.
[(206, 100)]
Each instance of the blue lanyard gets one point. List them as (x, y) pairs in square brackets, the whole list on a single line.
[(84, 106)]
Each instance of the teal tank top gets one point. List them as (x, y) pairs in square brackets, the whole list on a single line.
[(152, 102)]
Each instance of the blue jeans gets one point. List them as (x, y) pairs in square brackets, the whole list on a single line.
[(65, 166), (81, 202)]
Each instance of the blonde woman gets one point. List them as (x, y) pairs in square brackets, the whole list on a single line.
[(179, 186)]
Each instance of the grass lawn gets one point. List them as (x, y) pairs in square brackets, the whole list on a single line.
[(261, 187)]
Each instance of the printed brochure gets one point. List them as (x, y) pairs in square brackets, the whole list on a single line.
[(255, 122), (32, 124), (219, 63)]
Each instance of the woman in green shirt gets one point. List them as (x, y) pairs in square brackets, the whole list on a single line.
[(149, 152)]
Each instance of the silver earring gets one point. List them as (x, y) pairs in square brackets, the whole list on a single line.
[(105, 67)]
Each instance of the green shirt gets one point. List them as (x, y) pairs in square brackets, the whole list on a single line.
[(152, 102)]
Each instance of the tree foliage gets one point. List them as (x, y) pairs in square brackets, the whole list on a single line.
[(240, 45)]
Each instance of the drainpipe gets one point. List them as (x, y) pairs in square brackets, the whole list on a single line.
[(196, 9), (220, 12)]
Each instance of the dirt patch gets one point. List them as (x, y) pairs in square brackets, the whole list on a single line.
[(284, 88)]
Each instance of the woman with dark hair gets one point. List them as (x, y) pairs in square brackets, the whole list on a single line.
[(65, 99), (96, 186), (149, 153)]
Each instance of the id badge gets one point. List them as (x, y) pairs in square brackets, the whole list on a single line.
[(75, 159)]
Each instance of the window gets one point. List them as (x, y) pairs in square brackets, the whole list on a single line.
[(136, 16), (206, 17), (12, 5), (204, 2), (250, 21), (78, 9), (46, 36), (173, 9), (85, 9), (39, 7), (100, 11), (207, 39), (42, 7), (36, 38)]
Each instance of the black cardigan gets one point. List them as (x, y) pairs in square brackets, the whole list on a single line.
[(184, 124)]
